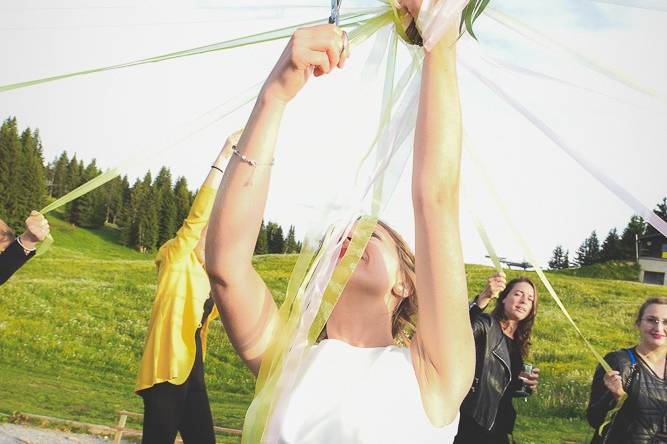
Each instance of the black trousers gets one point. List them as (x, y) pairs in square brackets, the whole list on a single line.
[(184, 408), (472, 433)]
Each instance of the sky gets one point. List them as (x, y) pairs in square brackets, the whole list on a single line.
[(124, 114)]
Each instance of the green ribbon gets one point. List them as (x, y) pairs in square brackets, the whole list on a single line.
[(262, 37)]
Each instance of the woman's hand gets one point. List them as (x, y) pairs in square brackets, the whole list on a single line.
[(314, 50), (614, 383), (495, 284), (412, 6), (230, 143), (531, 379), (36, 230)]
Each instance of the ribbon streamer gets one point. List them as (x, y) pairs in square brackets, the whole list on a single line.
[(531, 258), (228, 107), (314, 288), (623, 194), (276, 34), (656, 5), (529, 253), (533, 34)]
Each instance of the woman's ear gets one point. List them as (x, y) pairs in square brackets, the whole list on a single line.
[(399, 290)]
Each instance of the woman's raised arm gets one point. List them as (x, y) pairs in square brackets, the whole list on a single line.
[(443, 349), (246, 306)]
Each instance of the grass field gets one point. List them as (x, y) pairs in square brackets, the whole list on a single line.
[(72, 326)]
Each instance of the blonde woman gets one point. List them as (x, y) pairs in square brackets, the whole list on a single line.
[(357, 385)]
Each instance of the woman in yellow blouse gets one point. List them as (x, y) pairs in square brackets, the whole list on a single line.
[(171, 373)]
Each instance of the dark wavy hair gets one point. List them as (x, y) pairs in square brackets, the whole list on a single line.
[(525, 328)]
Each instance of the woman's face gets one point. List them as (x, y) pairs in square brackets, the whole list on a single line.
[(5, 237), (652, 328), (378, 269), (519, 302)]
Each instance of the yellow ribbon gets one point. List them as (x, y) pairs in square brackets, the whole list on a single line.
[(531, 257)]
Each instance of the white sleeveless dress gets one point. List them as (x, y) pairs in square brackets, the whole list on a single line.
[(354, 395)]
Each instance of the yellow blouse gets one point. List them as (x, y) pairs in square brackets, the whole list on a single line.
[(182, 289)]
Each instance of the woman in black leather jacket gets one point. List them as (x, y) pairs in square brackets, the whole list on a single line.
[(502, 341), (641, 373)]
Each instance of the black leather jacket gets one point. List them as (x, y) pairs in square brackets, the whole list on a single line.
[(601, 399), (492, 370)]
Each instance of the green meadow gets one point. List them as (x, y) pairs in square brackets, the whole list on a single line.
[(72, 326)]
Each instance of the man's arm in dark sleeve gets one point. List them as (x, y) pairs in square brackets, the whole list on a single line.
[(12, 259)]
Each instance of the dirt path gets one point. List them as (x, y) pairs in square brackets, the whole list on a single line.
[(21, 434)]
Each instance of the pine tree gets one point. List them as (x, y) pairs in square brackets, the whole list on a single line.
[(611, 247), (588, 252), (130, 212), (262, 244), (581, 255), (114, 199), (166, 206), (123, 215), (32, 182), (661, 211), (74, 172), (636, 227), (557, 261), (276, 241), (89, 210), (10, 160), (58, 178), (566, 259), (290, 241), (594, 248), (147, 221), (140, 229), (183, 200)]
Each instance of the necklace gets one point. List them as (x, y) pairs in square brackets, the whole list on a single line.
[(655, 366)]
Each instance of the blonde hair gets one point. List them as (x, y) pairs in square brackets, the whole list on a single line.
[(402, 320)]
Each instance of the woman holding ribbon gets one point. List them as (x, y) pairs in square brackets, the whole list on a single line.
[(638, 381), (16, 251), (171, 373), (502, 342), (357, 385)]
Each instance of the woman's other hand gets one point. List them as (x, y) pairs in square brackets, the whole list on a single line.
[(314, 50), (230, 143), (36, 230), (494, 285), (614, 383), (531, 379), (412, 6)]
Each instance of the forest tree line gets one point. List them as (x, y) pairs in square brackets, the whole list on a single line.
[(147, 213), (615, 246)]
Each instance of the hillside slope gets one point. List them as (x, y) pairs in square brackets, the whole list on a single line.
[(72, 326)]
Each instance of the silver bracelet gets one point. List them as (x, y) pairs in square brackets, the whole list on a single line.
[(250, 162), (29, 250)]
